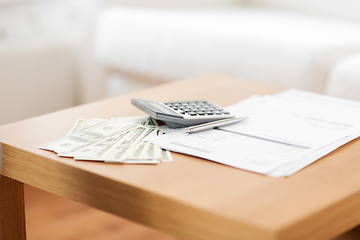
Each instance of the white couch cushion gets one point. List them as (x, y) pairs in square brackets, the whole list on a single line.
[(344, 8), (344, 79), (288, 49)]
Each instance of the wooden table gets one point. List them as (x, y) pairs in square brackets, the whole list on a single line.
[(190, 197)]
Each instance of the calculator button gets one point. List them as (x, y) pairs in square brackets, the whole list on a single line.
[(197, 108)]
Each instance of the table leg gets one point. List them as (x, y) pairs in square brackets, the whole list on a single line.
[(12, 212)]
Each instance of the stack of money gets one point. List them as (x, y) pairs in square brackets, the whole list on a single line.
[(115, 140)]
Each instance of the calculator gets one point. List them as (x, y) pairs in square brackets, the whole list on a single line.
[(176, 114)]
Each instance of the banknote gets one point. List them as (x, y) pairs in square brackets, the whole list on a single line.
[(143, 161), (166, 156), (79, 125), (143, 151), (85, 123), (94, 152), (129, 149), (100, 150), (87, 136), (114, 140), (126, 149)]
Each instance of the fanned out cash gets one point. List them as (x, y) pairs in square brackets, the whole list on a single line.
[(114, 140)]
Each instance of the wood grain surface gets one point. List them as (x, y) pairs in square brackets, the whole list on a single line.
[(12, 213), (190, 197), (47, 214)]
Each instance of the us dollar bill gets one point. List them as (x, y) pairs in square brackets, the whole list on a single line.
[(119, 139), (94, 152), (70, 143), (166, 156), (85, 123), (126, 149)]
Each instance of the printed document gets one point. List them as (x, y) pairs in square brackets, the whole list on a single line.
[(285, 132)]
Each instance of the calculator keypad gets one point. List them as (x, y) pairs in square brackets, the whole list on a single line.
[(196, 108)]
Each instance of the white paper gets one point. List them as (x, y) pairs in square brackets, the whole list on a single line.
[(285, 133)]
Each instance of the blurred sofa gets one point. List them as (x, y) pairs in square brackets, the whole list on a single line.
[(45, 57), (311, 45), (35, 78)]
